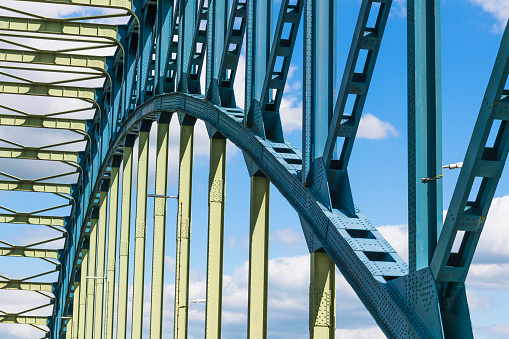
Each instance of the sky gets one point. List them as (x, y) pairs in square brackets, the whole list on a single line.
[(471, 34)]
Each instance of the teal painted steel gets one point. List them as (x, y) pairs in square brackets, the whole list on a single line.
[(162, 51)]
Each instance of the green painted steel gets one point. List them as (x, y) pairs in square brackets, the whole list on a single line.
[(141, 226), (322, 297), (156, 303), (75, 309), (125, 228), (183, 231), (83, 296), (112, 250), (101, 251), (92, 257), (217, 179), (258, 257)]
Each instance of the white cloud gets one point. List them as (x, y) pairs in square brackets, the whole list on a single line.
[(371, 127), (397, 236), (367, 333), (498, 8), (286, 236), (480, 302)]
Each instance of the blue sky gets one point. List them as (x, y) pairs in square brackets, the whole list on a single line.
[(471, 34)]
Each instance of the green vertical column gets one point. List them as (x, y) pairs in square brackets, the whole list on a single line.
[(75, 309), (125, 230), (141, 226), (258, 257), (156, 304), (91, 273), (183, 230), (215, 238), (112, 247), (68, 329), (322, 297), (83, 291), (101, 251)]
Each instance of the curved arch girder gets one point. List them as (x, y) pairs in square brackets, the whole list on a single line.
[(364, 257)]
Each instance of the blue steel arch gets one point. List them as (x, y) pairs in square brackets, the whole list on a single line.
[(425, 300), (367, 262)]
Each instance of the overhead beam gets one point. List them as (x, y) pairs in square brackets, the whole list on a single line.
[(32, 186), (38, 154), (26, 286), (53, 58), (19, 251), (40, 121), (38, 89), (58, 26), (18, 319), (22, 218), (127, 4)]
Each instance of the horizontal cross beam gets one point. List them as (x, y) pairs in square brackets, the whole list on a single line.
[(58, 26), (53, 58), (43, 122), (32, 219), (32, 186), (84, 93), (38, 154), (17, 319), (26, 286), (19, 251)]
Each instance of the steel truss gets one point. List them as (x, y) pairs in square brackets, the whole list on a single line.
[(134, 65)]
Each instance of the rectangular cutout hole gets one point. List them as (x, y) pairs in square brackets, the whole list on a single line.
[(379, 256), (203, 25), (287, 31), (361, 61), (282, 150), (373, 15), (472, 197), (495, 127), (390, 277), (350, 103), (361, 234), (232, 48), (237, 24), (293, 161), (457, 241), (278, 66)]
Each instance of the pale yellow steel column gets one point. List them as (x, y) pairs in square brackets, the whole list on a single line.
[(258, 257), (156, 304), (112, 247), (125, 230), (101, 251), (183, 231), (215, 238), (83, 292), (141, 226), (75, 309), (68, 332), (91, 273), (322, 297)]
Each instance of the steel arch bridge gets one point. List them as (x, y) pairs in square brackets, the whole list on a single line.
[(149, 56)]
